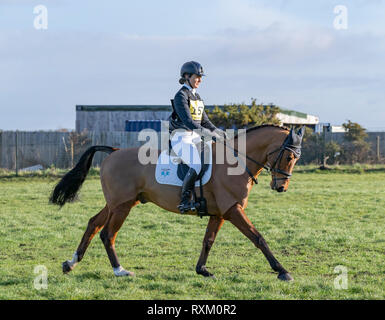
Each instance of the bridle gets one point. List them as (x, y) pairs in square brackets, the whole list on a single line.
[(296, 150), (275, 167)]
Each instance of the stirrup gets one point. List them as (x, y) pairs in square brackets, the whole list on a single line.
[(186, 207)]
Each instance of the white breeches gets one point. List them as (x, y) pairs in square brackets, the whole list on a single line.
[(183, 144)]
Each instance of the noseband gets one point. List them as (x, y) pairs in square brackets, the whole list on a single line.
[(275, 167)]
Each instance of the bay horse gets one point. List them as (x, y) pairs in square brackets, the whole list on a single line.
[(126, 183)]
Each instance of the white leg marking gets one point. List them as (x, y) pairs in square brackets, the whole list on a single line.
[(121, 272), (74, 261)]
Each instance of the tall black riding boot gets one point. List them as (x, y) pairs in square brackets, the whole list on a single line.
[(187, 187)]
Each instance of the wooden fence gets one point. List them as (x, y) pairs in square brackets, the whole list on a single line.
[(21, 149)]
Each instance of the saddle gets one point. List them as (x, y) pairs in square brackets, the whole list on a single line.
[(170, 170)]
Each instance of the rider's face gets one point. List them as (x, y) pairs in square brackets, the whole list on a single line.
[(195, 81)]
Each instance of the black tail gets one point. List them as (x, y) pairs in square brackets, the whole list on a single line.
[(69, 185)]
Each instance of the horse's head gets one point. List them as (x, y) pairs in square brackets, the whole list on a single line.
[(282, 160)]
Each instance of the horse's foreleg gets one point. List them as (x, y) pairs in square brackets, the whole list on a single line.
[(109, 233), (214, 225), (95, 224), (238, 218)]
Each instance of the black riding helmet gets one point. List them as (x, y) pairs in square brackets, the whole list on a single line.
[(191, 67)]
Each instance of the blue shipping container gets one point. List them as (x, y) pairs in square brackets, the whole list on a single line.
[(138, 125)]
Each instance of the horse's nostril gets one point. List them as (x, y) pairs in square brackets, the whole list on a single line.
[(281, 189)]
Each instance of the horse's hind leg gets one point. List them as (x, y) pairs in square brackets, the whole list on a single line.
[(237, 217), (109, 232), (213, 227), (95, 224)]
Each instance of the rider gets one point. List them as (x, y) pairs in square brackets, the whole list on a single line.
[(188, 115)]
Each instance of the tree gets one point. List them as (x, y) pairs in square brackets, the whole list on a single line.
[(316, 150), (354, 132), (236, 116), (332, 150), (355, 148), (311, 147)]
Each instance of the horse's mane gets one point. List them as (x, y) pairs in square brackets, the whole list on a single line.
[(267, 125), (264, 126)]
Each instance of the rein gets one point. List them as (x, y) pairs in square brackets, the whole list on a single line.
[(272, 168)]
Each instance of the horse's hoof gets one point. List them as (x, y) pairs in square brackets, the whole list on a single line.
[(66, 267), (207, 275), (124, 273), (285, 277), (204, 272)]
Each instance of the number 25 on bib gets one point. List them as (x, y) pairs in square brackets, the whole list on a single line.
[(196, 109)]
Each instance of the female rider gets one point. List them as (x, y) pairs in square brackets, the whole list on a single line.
[(188, 115)]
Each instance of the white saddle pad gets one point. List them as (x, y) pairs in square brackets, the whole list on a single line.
[(167, 166)]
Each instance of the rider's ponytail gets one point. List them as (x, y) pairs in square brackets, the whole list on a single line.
[(182, 80)]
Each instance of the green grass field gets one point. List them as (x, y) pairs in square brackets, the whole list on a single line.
[(324, 220)]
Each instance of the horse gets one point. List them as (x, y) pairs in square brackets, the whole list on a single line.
[(126, 183)]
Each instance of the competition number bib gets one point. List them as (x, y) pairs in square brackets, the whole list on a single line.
[(196, 109)]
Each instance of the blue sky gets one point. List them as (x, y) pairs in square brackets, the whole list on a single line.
[(129, 52)]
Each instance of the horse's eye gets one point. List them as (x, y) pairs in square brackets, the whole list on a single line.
[(289, 158)]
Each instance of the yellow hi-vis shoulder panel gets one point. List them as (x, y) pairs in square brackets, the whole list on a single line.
[(196, 109)]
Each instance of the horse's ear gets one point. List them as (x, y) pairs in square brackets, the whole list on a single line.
[(301, 132), (292, 133), (295, 138)]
